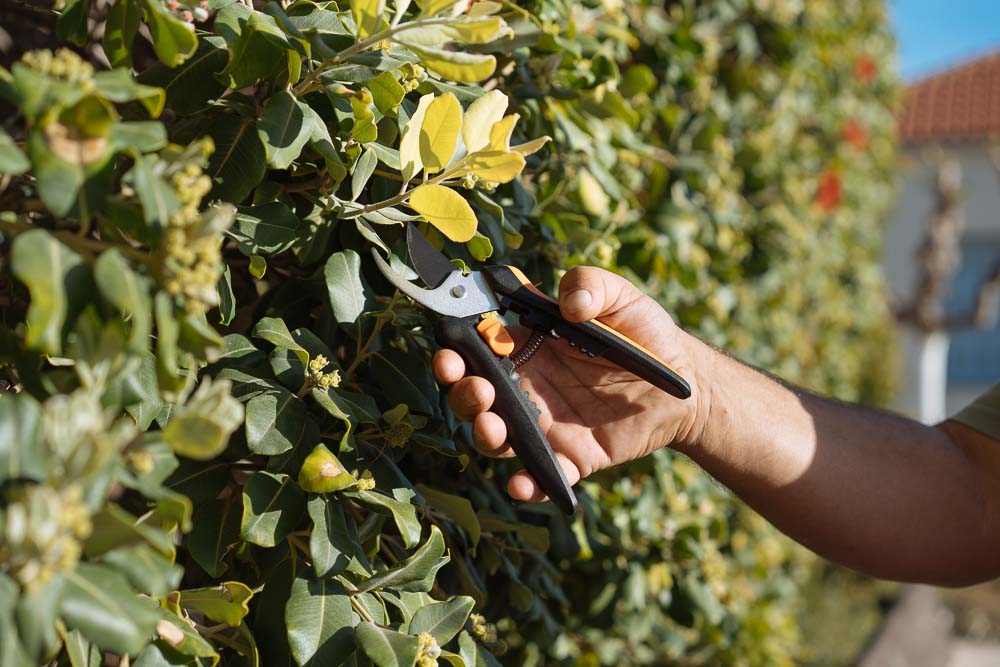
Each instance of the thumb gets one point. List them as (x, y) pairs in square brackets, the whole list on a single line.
[(587, 292)]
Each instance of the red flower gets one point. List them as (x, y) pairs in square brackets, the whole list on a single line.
[(865, 69), (829, 190), (855, 134)]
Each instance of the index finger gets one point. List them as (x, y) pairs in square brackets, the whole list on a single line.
[(448, 366)]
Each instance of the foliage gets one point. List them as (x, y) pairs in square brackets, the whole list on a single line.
[(222, 440)]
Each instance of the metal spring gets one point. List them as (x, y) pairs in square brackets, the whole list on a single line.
[(529, 349)]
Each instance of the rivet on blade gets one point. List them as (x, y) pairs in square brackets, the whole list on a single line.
[(458, 291)]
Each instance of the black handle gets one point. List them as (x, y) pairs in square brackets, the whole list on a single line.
[(512, 405), (516, 293)]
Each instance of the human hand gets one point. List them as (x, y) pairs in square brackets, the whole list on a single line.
[(594, 414)]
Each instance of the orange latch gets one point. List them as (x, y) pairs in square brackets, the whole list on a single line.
[(496, 336)]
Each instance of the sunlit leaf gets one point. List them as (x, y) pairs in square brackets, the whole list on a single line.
[(446, 210)]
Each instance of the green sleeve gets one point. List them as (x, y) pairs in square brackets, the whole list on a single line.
[(983, 414)]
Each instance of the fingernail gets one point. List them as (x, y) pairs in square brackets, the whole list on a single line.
[(577, 300)]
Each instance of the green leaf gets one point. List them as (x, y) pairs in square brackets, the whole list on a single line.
[(349, 296), (114, 528), (457, 508), (473, 654), (55, 276), (403, 512), (276, 422), (367, 15), (333, 545), (258, 266), (21, 454), (447, 210), (439, 132), (12, 159), (216, 529), (276, 332), (179, 636), (191, 86), (405, 378), (320, 623), (172, 40), (480, 247), (200, 429), (387, 648), (35, 612), (416, 573), (266, 229), (98, 602), (118, 86), (322, 472), (239, 162), (272, 507), (143, 136), (128, 292), (283, 129), (146, 569), (71, 26), (226, 603), (72, 176), (363, 170), (119, 32), (80, 651), (443, 620), (386, 91), (258, 52)]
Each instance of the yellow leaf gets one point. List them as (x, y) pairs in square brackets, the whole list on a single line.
[(595, 200), (501, 131), (439, 132), (485, 8), (446, 210), (496, 166), (457, 65), (367, 15), (480, 117), (432, 7), (409, 145), (481, 31), (533, 146)]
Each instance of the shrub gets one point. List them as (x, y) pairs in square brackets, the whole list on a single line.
[(221, 437)]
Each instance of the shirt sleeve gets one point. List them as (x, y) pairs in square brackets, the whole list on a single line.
[(983, 414)]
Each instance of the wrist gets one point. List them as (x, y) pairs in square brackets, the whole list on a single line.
[(704, 412)]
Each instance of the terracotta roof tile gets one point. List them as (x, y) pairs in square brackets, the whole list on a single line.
[(961, 104)]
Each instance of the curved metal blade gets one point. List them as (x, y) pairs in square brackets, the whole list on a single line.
[(432, 266), (458, 295)]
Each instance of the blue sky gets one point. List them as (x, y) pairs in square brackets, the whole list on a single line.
[(933, 34)]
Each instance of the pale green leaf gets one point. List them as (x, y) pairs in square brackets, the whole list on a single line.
[(458, 66), (409, 145), (55, 275), (480, 118), (348, 294), (442, 620), (387, 648), (283, 129), (272, 507), (320, 623)]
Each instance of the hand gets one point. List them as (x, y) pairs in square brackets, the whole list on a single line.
[(595, 414)]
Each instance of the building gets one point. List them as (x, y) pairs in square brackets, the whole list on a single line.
[(954, 114)]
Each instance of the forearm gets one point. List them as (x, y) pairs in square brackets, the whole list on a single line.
[(877, 492)]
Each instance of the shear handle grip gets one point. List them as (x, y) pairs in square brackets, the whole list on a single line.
[(512, 404), (516, 293)]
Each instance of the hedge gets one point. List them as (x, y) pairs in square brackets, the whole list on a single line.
[(220, 439)]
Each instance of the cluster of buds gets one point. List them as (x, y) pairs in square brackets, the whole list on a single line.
[(398, 434), (42, 530), (413, 74), (366, 482), (317, 377), (429, 650), (192, 242), (80, 436), (63, 64), (481, 630), (189, 15), (472, 181)]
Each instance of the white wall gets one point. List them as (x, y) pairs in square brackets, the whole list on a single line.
[(914, 206)]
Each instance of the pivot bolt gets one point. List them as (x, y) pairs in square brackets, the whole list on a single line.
[(458, 291)]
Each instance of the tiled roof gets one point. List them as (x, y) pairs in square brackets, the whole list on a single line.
[(961, 104)]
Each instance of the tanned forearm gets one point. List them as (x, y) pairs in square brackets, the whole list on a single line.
[(877, 492)]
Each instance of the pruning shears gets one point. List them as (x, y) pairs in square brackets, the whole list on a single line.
[(488, 349)]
